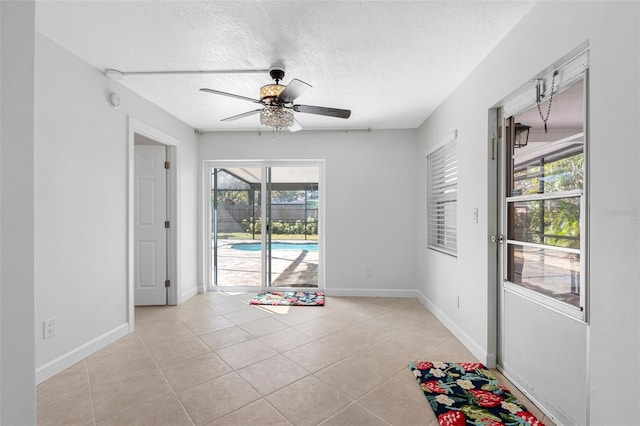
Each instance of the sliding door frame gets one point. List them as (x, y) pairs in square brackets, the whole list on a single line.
[(208, 216)]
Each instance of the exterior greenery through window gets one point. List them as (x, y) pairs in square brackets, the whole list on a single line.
[(442, 198), (553, 222), (545, 203), (294, 209)]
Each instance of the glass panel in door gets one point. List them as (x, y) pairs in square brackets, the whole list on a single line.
[(545, 200), (236, 226), (292, 232)]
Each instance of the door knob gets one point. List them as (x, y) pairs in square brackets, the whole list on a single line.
[(497, 239)]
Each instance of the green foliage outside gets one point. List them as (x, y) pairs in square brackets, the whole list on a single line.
[(280, 227), (232, 198), (553, 222)]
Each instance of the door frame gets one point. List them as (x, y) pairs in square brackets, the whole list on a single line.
[(495, 142), (518, 101), (209, 165), (576, 66), (173, 236)]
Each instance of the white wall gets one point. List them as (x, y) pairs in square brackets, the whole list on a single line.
[(81, 149), (370, 200), (17, 261), (548, 32), (189, 238)]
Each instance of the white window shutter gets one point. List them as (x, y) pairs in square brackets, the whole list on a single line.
[(442, 199)]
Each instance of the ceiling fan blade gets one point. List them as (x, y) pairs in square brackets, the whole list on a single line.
[(294, 89), (217, 92), (295, 127), (244, 114), (331, 112)]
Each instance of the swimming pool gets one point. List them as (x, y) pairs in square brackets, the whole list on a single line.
[(277, 246)]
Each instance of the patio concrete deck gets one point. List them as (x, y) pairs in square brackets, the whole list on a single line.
[(290, 268)]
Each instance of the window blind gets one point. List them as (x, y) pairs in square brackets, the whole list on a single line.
[(442, 199)]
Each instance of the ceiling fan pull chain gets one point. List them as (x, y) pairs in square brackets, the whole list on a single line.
[(553, 82)]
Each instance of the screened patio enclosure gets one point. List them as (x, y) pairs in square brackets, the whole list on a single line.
[(265, 226)]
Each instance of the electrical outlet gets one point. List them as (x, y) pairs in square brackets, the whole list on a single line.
[(49, 328), (368, 273), (475, 215)]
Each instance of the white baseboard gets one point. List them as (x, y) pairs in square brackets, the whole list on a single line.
[(368, 292), (189, 294), (488, 359), (65, 361)]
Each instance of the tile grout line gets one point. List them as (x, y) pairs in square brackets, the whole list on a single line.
[(131, 408), (264, 397), (167, 381), (93, 403), (233, 370), (352, 400), (277, 411), (371, 412), (146, 402), (398, 314)]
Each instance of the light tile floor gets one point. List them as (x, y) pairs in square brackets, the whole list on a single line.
[(215, 360)]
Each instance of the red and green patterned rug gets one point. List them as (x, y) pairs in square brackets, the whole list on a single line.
[(469, 394), (289, 298)]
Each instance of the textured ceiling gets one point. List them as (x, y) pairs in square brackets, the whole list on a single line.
[(391, 62)]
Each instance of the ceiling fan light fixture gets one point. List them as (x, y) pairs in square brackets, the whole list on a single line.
[(276, 117), (278, 103), (271, 91)]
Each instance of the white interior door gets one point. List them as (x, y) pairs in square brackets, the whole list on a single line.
[(150, 252)]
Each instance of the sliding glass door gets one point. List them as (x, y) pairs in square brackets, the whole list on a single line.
[(236, 206), (292, 234), (265, 224)]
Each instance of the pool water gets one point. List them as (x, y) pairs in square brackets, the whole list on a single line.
[(276, 246)]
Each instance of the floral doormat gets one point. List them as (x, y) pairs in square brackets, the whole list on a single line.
[(469, 394), (289, 298)]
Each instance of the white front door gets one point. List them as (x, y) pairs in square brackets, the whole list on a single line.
[(150, 252)]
